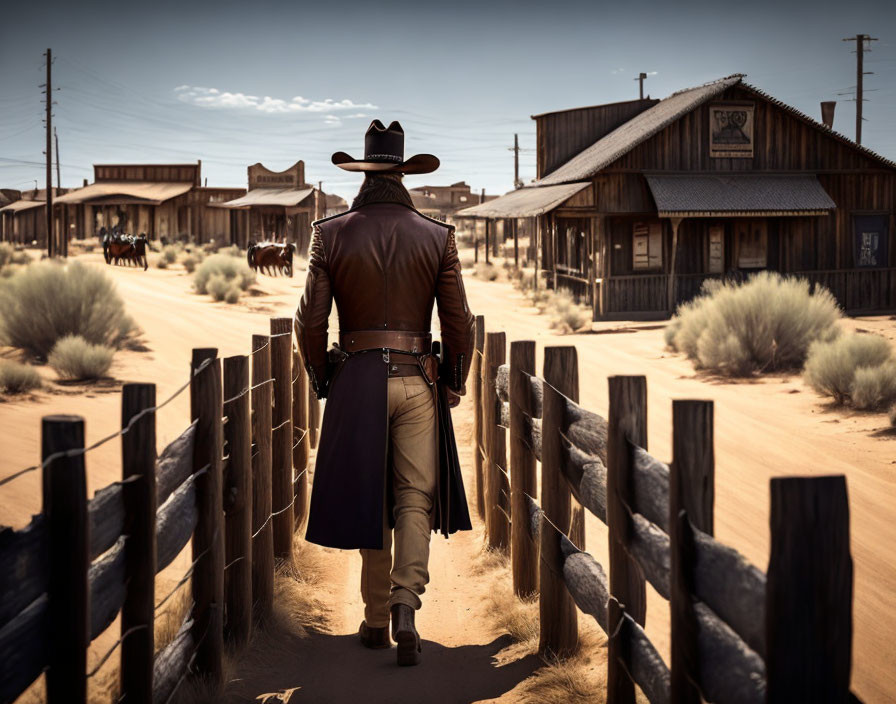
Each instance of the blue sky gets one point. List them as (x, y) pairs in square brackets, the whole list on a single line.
[(234, 83)]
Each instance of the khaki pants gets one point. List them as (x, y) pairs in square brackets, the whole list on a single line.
[(412, 435)]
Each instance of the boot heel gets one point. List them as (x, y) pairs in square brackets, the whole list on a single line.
[(408, 649)]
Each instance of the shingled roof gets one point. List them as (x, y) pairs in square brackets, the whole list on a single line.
[(637, 130), (645, 125)]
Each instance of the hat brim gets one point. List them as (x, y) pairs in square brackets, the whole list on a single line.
[(417, 164)]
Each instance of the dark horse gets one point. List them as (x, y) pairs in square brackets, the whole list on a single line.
[(271, 257), (131, 250)]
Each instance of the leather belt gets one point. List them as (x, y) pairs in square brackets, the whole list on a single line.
[(410, 342)]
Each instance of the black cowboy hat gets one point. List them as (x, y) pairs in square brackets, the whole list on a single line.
[(384, 153)]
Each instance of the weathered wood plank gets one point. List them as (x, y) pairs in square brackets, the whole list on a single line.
[(175, 464), (637, 656), (107, 588), (651, 488), (24, 576), (172, 663), (478, 425), (106, 515), (175, 523), (728, 670), (586, 581), (497, 495), (24, 648)]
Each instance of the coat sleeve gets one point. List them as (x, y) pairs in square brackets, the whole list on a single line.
[(312, 316), (455, 319)]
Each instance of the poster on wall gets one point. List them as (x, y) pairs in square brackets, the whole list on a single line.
[(731, 130), (871, 240)]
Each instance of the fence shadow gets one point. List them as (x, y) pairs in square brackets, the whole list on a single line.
[(336, 669)]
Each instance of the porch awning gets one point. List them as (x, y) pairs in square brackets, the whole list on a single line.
[(739, 195), (524, 202), (287, 197), (20, 205), (148, 192)]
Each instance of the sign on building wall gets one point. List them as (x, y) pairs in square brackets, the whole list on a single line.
[(731, 130), (716, 249), (871, 240), (261, 177)]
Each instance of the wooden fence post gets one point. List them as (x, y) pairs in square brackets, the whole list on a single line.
[(282, 494), (263, 536), (208, 537), (138, 469), (524, 551), (691, 494), (478, 434), (808, 611), (301, 439), (559, 626), (65, 509), (238, 501), (627, 424), (498, 494)]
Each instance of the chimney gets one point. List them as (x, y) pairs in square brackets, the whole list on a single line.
[(827, 113), (85, 182)]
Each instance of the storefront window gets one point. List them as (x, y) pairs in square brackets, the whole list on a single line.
[(871, 232), (647, 246)]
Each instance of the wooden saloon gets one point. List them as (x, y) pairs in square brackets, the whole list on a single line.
[(638, 203)]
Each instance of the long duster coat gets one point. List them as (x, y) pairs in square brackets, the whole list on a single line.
[(385, 265)]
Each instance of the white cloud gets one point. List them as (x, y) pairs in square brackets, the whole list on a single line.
[(214, 98)]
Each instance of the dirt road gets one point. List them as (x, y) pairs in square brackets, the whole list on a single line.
[(771, 427)]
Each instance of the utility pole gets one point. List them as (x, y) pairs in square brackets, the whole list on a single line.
[(640, 80), (860, 40), (516, 161), (58, 174), (49, 89)]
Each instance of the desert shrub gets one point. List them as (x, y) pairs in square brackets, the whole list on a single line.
[(16, 378), (45, 302), (189, 263), (169, 253), (892, 415), (765, 324), (566, 314), (162, 263), (233, 294), (486, 272), (231, 268), (10, 257), (857, 370), (217, 286), (75, 358)]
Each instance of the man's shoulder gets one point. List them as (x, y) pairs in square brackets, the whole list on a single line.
[(440, 223), (330, 218)]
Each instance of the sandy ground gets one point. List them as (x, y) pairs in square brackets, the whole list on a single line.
[(771, 427)]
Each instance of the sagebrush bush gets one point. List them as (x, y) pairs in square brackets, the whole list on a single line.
[(892, 415), (170, 252), (233, 294), (486, 272), (831, 366), (44, 302), (16, 378), (231, 268), (217, 286), (189, 263), (162, 263), (766, 324), (75, 358), (9, 255), (874, 388)]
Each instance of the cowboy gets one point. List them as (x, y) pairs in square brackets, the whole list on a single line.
[(387, 462)]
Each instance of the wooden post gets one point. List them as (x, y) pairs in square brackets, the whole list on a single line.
[(476, 374), (604, 245), (524, 551), (138, 470), (627, 424), (301, 440), (563, 375), (498, 492), (691, 492), (673, 283), (238, 501), (65, 509), (282, 494), (263, 536), (208, 537), (559, 627), (808, 612), (516, 243), (487, 228)]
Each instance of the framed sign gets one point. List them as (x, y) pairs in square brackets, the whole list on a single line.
[(731, 130), (871, 234), (716, 256)]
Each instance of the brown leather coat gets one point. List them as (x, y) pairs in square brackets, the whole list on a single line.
[(385, 265)]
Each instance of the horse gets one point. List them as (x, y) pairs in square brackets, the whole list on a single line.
[(118, 248), (271, 257)]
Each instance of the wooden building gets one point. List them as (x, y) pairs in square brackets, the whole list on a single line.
[(639, 203), (442, 202), (279, 206), (23, 216)]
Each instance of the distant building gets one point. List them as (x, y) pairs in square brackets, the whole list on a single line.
[(442, 202), (638, 203), (23, 215)]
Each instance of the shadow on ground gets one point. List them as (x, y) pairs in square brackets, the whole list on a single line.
[(328, 669)]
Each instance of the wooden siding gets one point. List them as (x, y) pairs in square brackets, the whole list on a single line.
[(562, 135), (177, 173)]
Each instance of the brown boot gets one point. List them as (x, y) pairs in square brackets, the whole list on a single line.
[(405, 635), (374, 638)]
